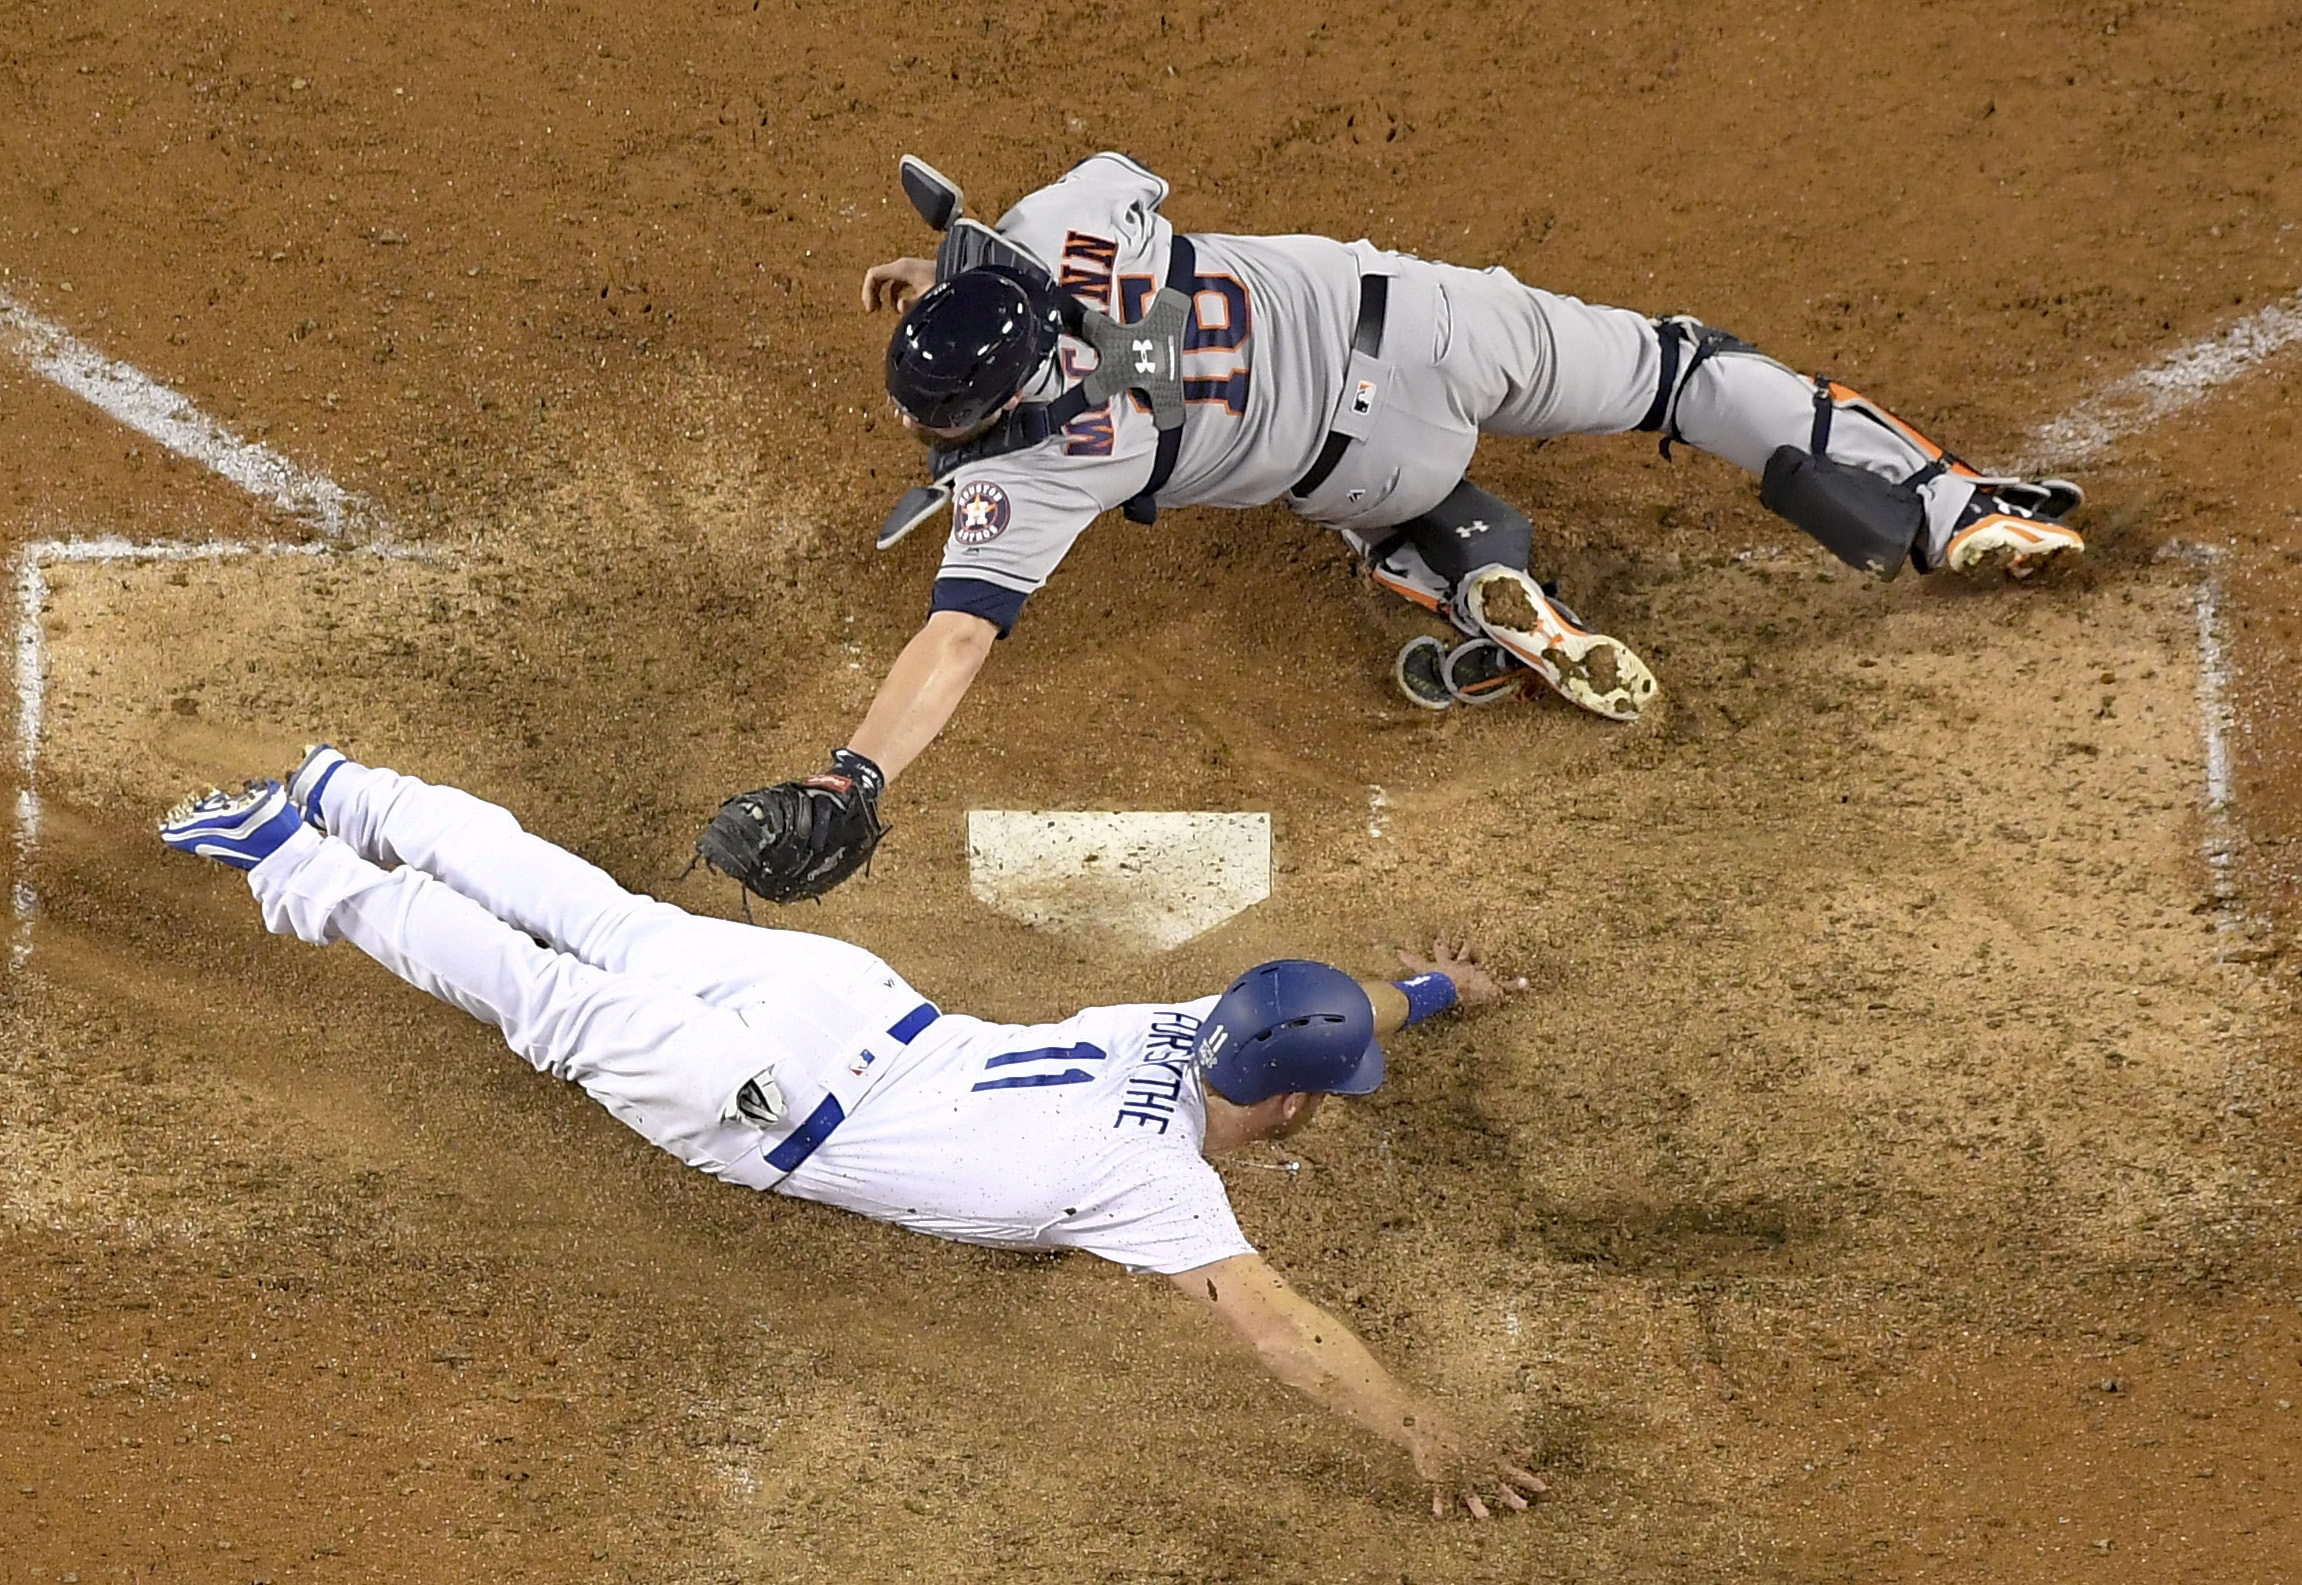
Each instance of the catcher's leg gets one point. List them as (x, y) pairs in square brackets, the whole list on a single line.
[(1466, 560), (1869, 487), (480, 850), (668, 1065)]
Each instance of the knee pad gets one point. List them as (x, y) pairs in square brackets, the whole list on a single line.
[(1468, 530), (1427, 558), (1857, 515)]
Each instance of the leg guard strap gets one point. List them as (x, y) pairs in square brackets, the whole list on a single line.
[(1708, 343)]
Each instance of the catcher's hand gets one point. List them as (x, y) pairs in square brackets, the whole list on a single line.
[(798, 838)]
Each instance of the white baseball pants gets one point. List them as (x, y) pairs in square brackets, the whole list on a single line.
[(661, 1015)]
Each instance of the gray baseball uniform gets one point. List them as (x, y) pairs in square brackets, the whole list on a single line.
[(1271, 375)]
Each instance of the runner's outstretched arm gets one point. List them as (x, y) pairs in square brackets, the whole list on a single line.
[(1316, 1354)]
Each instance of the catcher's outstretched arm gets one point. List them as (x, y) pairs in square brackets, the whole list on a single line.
[(922, 689)]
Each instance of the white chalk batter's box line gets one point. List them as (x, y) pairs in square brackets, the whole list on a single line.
[(171, 419), (32, 662), (168, 416)]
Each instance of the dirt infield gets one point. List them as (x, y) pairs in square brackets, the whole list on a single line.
[(1891, 1172)]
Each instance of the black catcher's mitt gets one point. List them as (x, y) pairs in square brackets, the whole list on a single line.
[(798, 838)]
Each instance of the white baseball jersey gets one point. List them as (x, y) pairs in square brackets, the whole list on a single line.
[(1078, 1135), (1083, 1134)]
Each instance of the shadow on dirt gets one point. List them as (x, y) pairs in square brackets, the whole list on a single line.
[(1649, 1238)]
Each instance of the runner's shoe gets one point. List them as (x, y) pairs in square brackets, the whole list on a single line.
[(241, 829), (1420, 672), (1483, 672), (2014, 525), (1585, 668)]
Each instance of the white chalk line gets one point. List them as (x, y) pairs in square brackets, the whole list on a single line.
[(32, 666), (2217, 719), (168, 417), (2180, 379)]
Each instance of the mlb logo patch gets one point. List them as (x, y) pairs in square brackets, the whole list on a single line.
[(978, 513), (1363, 398)]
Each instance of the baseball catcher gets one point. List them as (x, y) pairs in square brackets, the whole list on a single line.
[(1084, 355)]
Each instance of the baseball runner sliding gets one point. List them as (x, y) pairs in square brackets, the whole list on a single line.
[(796, 1063), (1084, 355)]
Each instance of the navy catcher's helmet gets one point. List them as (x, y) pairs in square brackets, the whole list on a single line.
[(969, 344), (1289, 1026)]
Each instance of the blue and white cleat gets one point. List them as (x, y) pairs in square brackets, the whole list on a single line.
[(241, 829), (309, 780)]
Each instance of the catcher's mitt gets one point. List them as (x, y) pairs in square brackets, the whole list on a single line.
[(798, 838)]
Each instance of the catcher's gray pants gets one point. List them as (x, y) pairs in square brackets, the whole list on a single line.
[(660, 1014), (1475, 351)]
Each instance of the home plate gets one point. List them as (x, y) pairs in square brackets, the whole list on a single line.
[(1152, 878)]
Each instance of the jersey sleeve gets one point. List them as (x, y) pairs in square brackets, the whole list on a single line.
[(1014, 519), (1110, 186), (1177, 1218)]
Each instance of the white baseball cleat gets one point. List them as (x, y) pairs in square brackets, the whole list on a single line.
[(1589, 669), (241, 829), (2013, 526), (1480, 671)]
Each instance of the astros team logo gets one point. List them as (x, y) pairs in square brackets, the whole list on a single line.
[(978, 513)]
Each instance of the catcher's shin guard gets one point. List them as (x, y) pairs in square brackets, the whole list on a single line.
[(1425, 559), (1834, 463), (1859, 517)]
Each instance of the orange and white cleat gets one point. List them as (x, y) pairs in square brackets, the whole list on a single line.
[(1589, 669), (2013, 525)]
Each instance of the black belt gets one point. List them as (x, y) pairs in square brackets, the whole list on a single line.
[(1367, 338)]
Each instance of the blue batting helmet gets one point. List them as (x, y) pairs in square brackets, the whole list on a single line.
[(971, 343), (1289, 1026)]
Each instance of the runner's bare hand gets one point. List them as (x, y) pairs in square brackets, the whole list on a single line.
[(1474, 986), (1457, 1476)]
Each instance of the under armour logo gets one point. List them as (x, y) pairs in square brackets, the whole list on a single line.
[(1144, 362), (1475, 527)]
